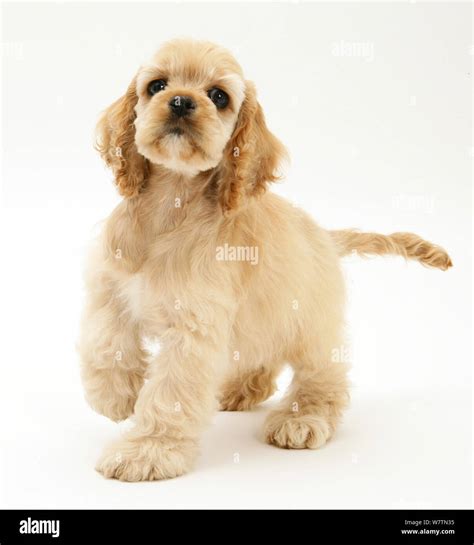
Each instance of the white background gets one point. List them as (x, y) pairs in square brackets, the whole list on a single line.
[(380, 140)]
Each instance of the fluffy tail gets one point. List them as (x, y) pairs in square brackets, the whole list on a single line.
[(407, 245)]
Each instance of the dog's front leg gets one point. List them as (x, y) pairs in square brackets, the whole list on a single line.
[(113, 361), (174, 405)]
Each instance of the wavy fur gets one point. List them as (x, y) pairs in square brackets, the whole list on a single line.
[(195, 189)]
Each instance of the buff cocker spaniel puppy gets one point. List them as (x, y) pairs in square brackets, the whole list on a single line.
[(232, 280)]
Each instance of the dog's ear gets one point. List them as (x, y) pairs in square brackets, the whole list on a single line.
[(251, 157), (115, 141)]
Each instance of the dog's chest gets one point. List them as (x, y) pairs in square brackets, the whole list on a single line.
[(144, 304), (132, 292)]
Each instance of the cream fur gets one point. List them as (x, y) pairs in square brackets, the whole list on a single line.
[(225, 327)]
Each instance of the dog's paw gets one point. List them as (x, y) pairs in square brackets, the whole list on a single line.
[(248, 390), (113, 393), (285, 430), (235, 401), (146, 459), (117, 408)]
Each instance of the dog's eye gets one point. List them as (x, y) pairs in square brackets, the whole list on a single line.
[(219, 97), (156, 86)]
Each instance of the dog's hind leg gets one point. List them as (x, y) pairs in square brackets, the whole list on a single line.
[(248, 388), (312, 408)]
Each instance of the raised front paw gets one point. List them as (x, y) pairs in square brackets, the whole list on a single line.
[(112, 392), (116, 408), (147, 459)]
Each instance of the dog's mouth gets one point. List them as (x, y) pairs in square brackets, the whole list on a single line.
[(179, 138), (178, 127)]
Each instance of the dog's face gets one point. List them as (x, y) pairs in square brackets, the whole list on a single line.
[(190, 110), (189, 99)]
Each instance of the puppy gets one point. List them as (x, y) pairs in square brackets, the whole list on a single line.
[(233, 280)]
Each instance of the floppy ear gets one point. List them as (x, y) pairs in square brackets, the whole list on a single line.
[(252, 155), (115, 141)]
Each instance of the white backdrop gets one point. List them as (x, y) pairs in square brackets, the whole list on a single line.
[(373, 102)]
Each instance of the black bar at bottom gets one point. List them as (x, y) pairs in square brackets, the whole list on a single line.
[(239, 527)]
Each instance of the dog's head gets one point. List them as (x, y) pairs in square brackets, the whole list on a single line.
[(190, 110)]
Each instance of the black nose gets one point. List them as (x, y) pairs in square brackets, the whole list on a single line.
[(181, 105)]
